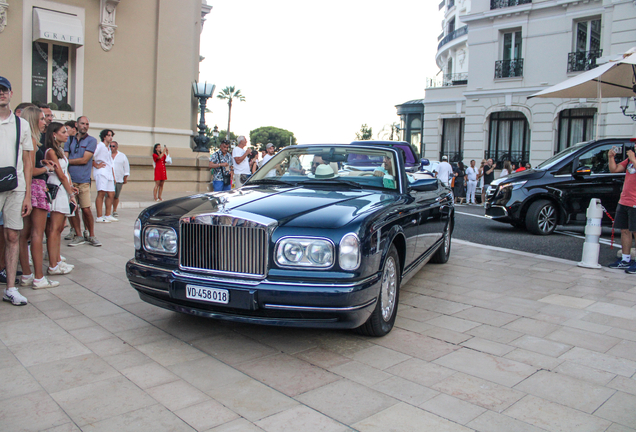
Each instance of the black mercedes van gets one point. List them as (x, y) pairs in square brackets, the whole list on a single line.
[(558, 191)]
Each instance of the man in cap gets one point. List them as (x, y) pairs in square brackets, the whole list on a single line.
[(15, 201), (444, 171)]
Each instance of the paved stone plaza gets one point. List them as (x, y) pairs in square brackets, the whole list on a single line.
[(492, 341)]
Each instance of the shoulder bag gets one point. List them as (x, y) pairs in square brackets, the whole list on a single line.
[(9, 175)]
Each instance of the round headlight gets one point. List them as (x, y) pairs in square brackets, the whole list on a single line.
[(293, 251), (169, 241), (137, 234), (319, 253), (153, 238)]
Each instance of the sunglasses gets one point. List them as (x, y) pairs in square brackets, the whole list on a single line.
[(113, 146)]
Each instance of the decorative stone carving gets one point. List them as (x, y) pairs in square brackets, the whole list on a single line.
[(3, 14), (461, 57), (107, 23), (205, 9)]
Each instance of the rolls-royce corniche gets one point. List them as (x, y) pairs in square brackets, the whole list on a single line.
[(308, 241)]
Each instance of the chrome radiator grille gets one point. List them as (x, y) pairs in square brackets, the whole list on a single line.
[(224, 249)]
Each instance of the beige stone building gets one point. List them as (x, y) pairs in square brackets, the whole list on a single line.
[(128, 65)]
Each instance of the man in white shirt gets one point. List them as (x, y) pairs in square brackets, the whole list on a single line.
[(270, 151), (121, 170), (471, 183), (444, 171), (241, 163), (15, 201), (104, 176)]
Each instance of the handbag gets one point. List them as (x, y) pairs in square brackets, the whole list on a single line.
[(227, 178), (168, 160), (51, 191), (9, 175)]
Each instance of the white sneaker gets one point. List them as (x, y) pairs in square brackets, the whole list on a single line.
[(102, 220), (63, 258), (63, 265), (58, 270), (44, 283), (12, 295), (26, 280), (111, 218)]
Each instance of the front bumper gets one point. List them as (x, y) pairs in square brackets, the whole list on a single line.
[(282, 303)]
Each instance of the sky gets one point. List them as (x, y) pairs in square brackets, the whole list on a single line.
[(318, 69)]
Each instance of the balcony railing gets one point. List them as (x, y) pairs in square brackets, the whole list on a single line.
[(450, 4), (448, 80), (498, 4), (500, 156), (453, 35), (442, 4), (584, 60), (509, 68), (453, 156)]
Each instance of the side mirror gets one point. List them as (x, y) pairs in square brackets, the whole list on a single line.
[(583, 170), (424, 185)]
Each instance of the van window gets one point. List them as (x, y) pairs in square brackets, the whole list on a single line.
[(596, 158)]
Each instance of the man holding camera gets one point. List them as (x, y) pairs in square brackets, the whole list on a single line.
[(625, 218), (222, 163)]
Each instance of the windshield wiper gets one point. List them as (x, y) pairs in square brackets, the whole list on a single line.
[(332, 181), (273, 181)]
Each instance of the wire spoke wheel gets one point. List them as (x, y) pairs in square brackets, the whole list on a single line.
[(389, 289)]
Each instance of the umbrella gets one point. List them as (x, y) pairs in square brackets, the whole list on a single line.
[(616, 78)]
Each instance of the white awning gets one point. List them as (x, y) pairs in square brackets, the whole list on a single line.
[(57, 27)]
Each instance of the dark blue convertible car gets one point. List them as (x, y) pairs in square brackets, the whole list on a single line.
[(320, 236)]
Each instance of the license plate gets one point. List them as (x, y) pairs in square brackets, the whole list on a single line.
[(213, 295)]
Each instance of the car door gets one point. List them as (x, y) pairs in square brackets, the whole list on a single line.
[(592, 179)]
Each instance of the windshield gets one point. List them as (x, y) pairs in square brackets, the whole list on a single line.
[(331, 165), (560, 156)]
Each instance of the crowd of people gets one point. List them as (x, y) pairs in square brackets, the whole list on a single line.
[(465, 180), (45, 182), (235, 168)]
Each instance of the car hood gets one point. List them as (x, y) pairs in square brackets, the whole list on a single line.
[(294, 207), (519, 176)]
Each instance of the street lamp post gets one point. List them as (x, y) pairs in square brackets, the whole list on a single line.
[(202, 91)]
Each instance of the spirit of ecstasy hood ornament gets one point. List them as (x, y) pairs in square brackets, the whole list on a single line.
[(223, 202)]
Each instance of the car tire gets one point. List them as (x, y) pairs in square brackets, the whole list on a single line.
[(443, 253), (542, 217), (383, 316)]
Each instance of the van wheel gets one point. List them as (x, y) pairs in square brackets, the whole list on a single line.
[(541, 218), (383, 317)]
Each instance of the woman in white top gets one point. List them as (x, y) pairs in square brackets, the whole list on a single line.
[(507, 169), (56, 136)]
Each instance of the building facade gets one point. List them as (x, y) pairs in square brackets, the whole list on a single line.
[(127, 65), (493, 54)]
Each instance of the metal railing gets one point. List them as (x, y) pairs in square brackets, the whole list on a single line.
[(583, 60), (509, 68), (450, 4), (500, 156), (498, 4), (453, 35), (448, 80), (453, 157), (442, 4)]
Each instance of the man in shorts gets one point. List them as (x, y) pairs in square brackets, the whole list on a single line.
[(625, 218), (79, 150), (121, 168), (14, 203)]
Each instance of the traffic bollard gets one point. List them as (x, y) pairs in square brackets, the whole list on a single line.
[(591, 247)]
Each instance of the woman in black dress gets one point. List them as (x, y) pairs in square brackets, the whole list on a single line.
[(459, 190)]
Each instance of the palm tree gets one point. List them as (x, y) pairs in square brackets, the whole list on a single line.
[(230, 93)]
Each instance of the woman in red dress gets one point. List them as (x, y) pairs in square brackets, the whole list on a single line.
[(159, 158)]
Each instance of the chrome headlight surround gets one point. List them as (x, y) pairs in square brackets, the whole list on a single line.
[(160, 240), (349, 254), (137, 234), (304, 252)]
